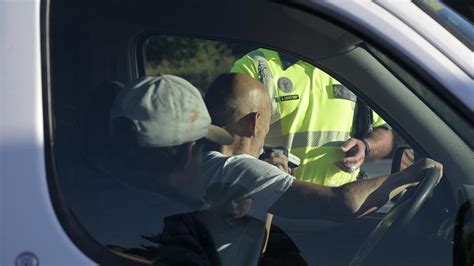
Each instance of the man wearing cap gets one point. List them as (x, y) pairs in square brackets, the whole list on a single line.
[(158, 125), (165, 117)]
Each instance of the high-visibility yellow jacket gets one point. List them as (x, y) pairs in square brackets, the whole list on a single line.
[(312, 114)]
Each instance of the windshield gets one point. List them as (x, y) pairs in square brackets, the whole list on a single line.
[(449, 19)]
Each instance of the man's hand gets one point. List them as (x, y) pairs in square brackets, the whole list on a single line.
[(279, 160), (408, 158), (240, 208), (414, 171), (351, 200), (355, 155)]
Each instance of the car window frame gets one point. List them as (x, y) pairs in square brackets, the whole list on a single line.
[(75, 231)]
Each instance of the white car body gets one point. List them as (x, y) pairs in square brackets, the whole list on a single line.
[(28, 222)]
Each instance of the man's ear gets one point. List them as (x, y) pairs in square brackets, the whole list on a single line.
[(185, 170), (188, 155), (254, 118), (246, 126)]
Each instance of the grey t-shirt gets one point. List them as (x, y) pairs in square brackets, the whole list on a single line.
[(225, 179), (243, 174)]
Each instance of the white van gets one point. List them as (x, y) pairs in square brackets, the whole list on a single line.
[(62, 61)]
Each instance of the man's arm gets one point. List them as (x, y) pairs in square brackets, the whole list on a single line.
[(379, 142), (349, 201)]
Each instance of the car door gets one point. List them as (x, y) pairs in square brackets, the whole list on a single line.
[(401, 75)]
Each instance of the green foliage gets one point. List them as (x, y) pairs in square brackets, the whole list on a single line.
[(198, 61)]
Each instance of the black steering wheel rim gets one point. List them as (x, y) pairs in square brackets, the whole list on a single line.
[(399, 216)]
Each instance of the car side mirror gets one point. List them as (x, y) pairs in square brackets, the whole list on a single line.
[(403, 157)]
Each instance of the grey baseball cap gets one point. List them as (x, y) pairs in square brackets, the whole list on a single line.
[(167, 111)]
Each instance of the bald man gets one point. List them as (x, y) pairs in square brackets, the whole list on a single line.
[(242, 106)]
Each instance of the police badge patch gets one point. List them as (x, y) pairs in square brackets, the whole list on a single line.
[(341, 92), (285, 84)]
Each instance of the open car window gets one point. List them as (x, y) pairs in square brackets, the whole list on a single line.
[(201, 61)]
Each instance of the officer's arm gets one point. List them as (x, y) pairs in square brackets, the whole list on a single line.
[(349, 201), (377, 145), (380, 143)]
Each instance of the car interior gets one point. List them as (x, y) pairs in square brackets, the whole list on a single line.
[(93, 48)]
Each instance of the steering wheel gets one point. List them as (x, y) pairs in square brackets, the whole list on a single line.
[(399, 216)]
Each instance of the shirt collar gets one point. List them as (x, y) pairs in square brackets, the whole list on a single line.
[(287, 60)]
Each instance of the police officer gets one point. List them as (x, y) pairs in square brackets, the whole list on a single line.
[(315, 117)]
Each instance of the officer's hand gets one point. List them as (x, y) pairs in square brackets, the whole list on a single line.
[(355, 155), (279, 160)]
